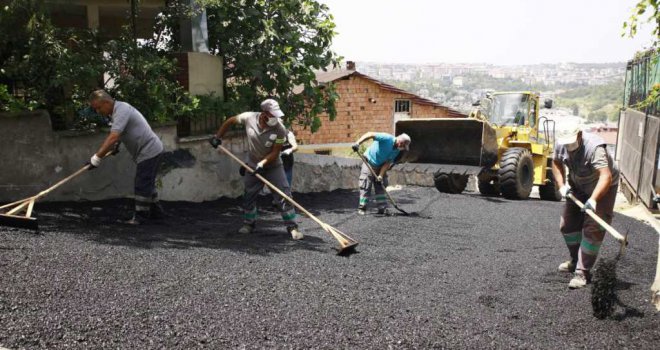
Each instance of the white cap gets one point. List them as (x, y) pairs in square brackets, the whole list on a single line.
[(568, 133), (405, 139), (271, 106)]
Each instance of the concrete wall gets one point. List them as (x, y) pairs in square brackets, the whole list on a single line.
[(34, 157), (204, 74)]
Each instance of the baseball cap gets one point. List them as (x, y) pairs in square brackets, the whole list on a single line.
[(271, 106), (568, 133), (406, 140)]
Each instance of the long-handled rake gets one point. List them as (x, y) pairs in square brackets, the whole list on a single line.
[(366, 162), (346, 244), (12, 212)]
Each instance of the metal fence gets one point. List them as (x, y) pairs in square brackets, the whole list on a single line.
[(638, 147), (199, 125)]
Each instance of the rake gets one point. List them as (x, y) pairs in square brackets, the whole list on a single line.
[(346, 244), (19, 213), (366, 162)]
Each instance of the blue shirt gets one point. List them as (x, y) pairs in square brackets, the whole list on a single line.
[(382, 150)]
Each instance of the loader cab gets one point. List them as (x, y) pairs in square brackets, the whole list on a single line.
[(510, 109)]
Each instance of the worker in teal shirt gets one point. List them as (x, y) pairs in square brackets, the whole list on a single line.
[(380, 155)]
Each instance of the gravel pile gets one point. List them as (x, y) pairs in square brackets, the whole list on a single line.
[(465, 272)]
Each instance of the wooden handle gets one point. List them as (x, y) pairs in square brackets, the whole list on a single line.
[(29, 202), (344, 240), (373, 172), (272, 187), (619, 237)]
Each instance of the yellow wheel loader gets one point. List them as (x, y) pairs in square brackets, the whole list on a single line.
[(504, 142)]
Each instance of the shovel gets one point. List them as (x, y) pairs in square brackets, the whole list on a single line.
[(623, 240), (382, 185)]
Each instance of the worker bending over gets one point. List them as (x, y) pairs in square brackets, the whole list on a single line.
[(593, 179), (265, 137), (381, 156)]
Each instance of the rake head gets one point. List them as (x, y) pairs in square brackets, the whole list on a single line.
[(30, 223), (346, 244), (348, 249)]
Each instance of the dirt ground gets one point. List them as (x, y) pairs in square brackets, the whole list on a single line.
[(466, 272)]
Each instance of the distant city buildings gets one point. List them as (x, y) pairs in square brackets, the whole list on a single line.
[(428, 80)]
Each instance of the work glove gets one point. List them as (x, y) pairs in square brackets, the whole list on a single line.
[(94, 162), (259, 169), (215, 141), (379, 179), (565, 190), (356, 147), (241, 171), (115, 149), (590, 204), (287, 151)]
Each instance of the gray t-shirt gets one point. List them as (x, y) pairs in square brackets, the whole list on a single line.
[(261, 141), (135, 133), (584, 163)]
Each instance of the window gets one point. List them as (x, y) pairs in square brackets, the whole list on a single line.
[(402, 106)]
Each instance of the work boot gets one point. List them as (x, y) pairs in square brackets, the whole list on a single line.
[(295, 232), (137, 219), (362, 210), (246, 229), (383, 211), (567, 266), (580, 280)]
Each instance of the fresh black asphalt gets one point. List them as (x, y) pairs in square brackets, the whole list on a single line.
[(466, 272)]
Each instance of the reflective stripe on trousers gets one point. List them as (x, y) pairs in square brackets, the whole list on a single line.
[(253, 186), (582, 234), (367, 180)]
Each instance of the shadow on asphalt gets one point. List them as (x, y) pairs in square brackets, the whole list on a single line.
[(210, 225)]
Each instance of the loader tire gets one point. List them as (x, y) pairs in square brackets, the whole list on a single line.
[(489, 189), (450, 183), (549, 191), (516, 173)]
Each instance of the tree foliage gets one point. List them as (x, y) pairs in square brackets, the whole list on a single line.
[(44, 66), (271, 48), (43, 63), (648, 8)]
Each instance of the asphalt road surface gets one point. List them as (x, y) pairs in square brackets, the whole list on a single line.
[(465, 272)]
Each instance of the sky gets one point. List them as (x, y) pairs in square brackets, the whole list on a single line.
[(501, 32)]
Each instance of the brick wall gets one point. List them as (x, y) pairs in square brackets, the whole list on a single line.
[(362, 106)]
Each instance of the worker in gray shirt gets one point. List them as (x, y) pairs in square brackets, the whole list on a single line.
[(593, 178), (131, 128), (265, 138)]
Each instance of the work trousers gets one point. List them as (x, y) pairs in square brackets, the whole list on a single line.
[(367, 180), (287, 162), (582, 234), (146, 195), (274, 175)]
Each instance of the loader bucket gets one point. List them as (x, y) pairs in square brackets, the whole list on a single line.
[(458, 141)]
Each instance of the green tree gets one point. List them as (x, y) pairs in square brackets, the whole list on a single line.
[(648, 8), (270, 47), (53, 68)]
